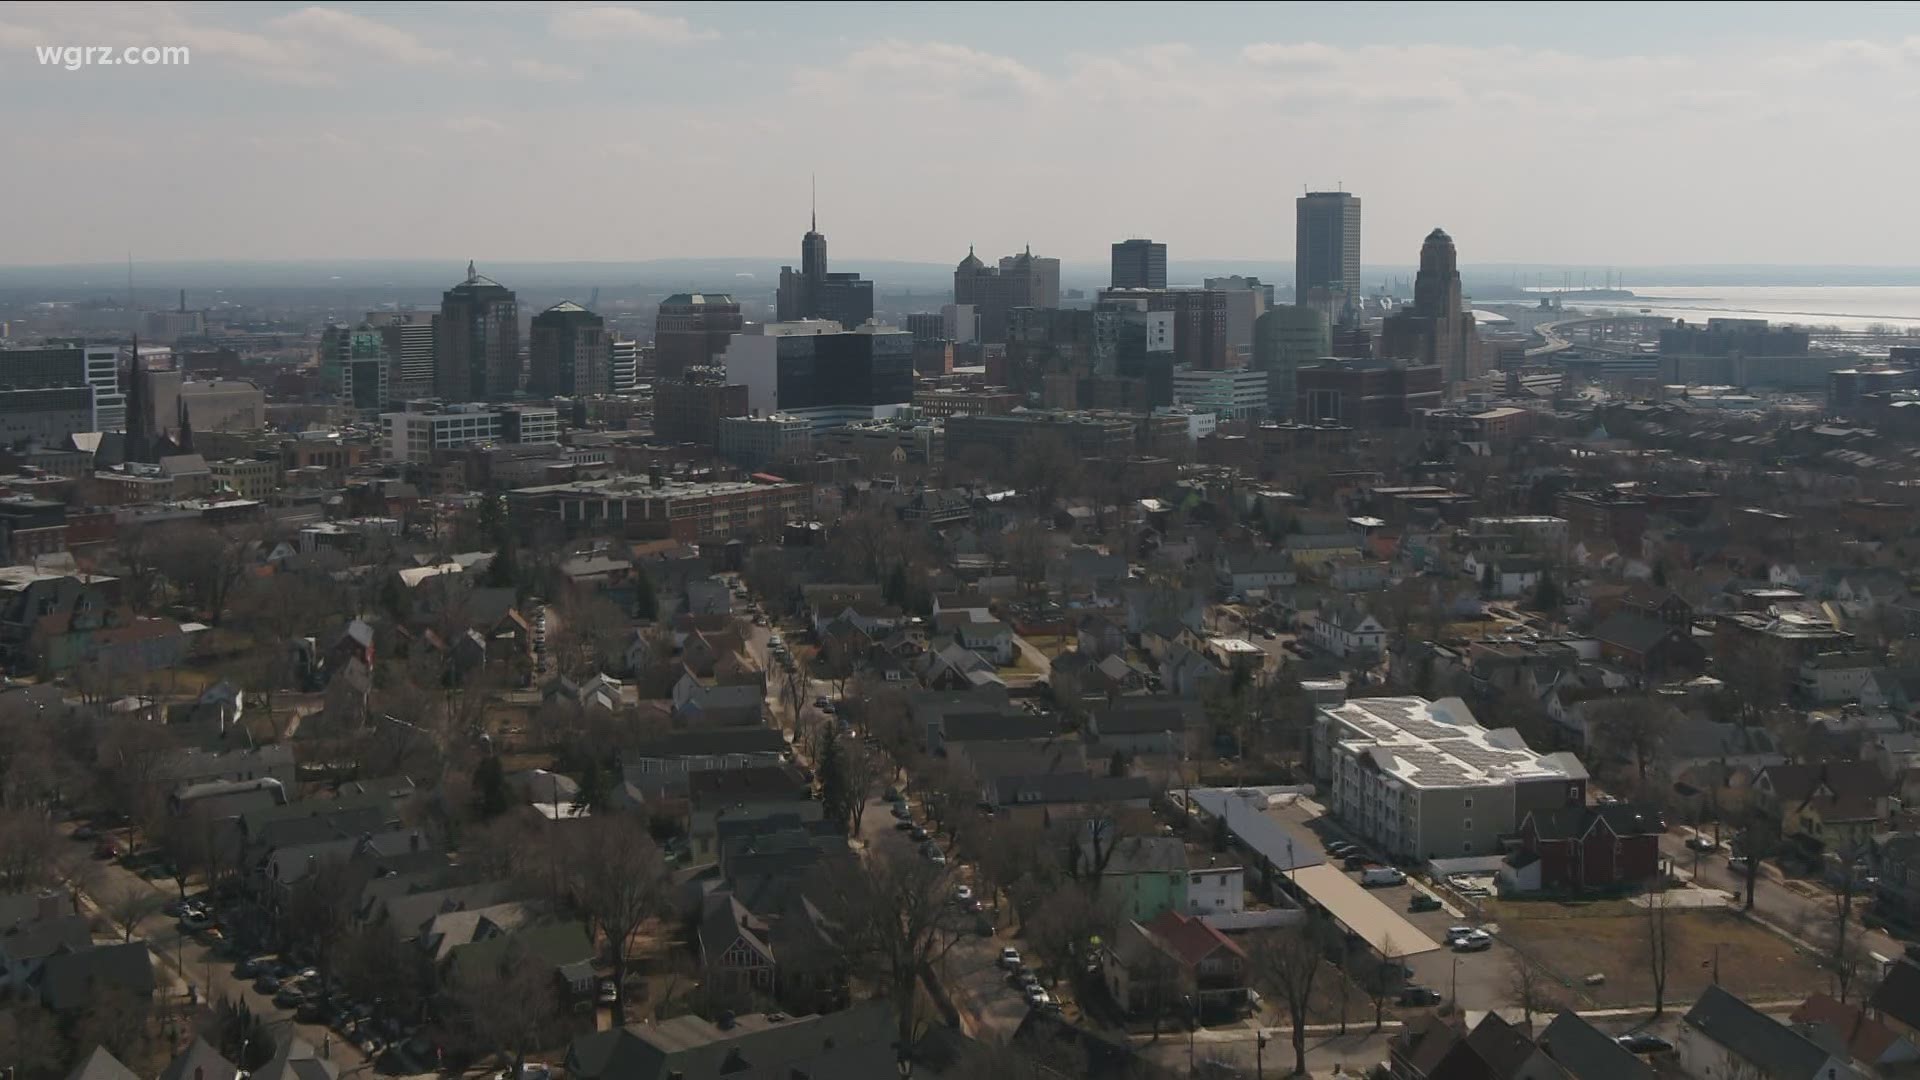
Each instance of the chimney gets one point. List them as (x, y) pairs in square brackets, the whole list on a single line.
[(48, 904), (413, 841)]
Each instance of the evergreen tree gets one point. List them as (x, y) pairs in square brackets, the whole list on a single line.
[(896, 588), (504, 571), (490, 788), (1546, 594), (592, 794), (646, 604), (836, 794), (1660, 573)]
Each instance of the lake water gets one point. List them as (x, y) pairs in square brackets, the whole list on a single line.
[(1848, 307)]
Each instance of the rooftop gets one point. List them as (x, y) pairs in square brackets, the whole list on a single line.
[(1438, 744)]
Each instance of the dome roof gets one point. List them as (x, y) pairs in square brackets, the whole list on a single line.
[(971, 262)]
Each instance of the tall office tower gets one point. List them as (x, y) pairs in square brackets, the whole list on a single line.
[(56, 390), (477, 341), (691, 331), (1326, 252), (813, 293), (1248, 298), (408, 336), (568, 352), (623, 367), (814, 369), (1019, 281), (355, 366), (1139, 264), (1199, 321), (1437, 329), (1286, 339)]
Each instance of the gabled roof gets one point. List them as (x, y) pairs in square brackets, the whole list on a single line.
[(200, 1062), (99, 1064), (1866, 1039), (1587, 1053), (1631, 631), (1191, 939), (1899, 993), (1575, 822), (1753, 1036), (74, 979)]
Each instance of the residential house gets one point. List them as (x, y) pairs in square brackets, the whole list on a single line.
[(1086, 568), (1723, 1036), (952, 732), (32, 934), (1647, 645), (854, 1042), (1148, 725), (1251, 571), (100, 1064), (1896, 1001), (1840, 805), (1839, 1027), (1505, 574), (710, 597), (1143, 875), (1347, 630), (1587, 1053), (990, 638), (1171, 958), (1579, 849), (736, 794), (972, 604), (1100, 634), (735, 949), (1188, 673), (200, 1061), (1030, 797), (1895, 868), (733, 700), (1358, 575), (562, 948), (81, 979), (1162, 634), (1832, 678)]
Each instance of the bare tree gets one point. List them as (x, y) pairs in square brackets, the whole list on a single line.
[(1659, 947), (29, 1037), (1530, 989), (511, 1005), (1287, 962), (895, 920), (1380, 974), (1064, 922), (128, 907), (865, 773), (30, 850), (320, 908), (618, 880)]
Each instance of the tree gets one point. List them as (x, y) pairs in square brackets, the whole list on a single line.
[(128, 907), (117, 1019), (1759, 840), (1635, 729), (490, 788), (837, 797), (1530, 989), (1062, 923), (618, 880), (1287, 962), (895, 919), (511, 1005), (205, 563), (1659, 948), (31, 1042), (1546, 594), (320, 908), (864, 774), (240, 1034), (646, 604), (1380, 974), (592, 793)]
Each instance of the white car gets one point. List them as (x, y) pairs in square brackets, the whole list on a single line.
[(963, 893), (1477, 941), (1458, 932), (1038, 998), (1009, 957)]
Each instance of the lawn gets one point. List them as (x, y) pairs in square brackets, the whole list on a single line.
[(1573, 941)]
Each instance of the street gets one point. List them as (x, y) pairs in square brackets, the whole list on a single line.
[(1807, 918), (181, 960)]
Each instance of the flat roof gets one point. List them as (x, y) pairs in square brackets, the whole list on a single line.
[(1438, 744), (1283, 844), (1361, 912)]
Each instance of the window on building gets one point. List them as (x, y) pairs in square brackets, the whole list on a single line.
[(1467, 803), (1467, 846), (1466, 823)]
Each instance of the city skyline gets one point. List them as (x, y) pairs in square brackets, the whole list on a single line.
[(1565, 138)]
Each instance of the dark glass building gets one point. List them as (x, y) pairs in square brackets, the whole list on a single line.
[(813, 293), (477, 341), (568, 353)]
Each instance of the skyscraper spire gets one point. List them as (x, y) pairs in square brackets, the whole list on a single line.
[(813, 202), (471, 272)]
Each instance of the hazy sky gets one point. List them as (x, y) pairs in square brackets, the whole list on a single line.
[(1604, 133)]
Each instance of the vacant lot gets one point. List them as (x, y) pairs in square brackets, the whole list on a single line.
[(1573, 941)]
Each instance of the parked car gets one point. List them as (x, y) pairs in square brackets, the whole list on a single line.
[(1419, 996), (1478, 941), (1644, 1042), (1340, 848), (963, 893), (891, 794), (1355, 861), (934, 855), (290, 996), (902, 811), (903, 824), (106, 849), (1009, 957), (267, 984), (919, 832), (821, 702), (1038, 998), (1381, 877), (85, 832), (1423, 902), (1697, 842)]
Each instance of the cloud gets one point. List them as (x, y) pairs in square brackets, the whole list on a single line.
[(540, 71), (602, 22), (475, 125), (925, 71), (376, 38)]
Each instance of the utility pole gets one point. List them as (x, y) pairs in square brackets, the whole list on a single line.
[(1259, 1055)]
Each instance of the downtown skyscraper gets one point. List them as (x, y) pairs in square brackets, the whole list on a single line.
[(1326, 251), (568, 353), (814, 293), (477, 341)]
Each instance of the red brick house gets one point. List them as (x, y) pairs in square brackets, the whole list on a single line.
[(1581, 848)]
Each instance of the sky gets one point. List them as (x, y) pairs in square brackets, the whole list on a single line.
[(1621, 133)]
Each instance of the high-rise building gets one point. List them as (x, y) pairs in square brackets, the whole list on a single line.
[(927, 326), (1248, 298), (813, 293), (1199, 321), (690, 412), (1286, 339), (623, 367), (1437, 329), (409, 337), (691, 331), (1139, 264), (817, 370), (753, 441), (60, 367), (477, 341), (355, 366), (416, 436), (1326, 252), (1019, 281), (568, 353), (1367, 393)]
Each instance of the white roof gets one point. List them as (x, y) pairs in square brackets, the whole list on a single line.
[(1361, 912), (1438, 744)]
